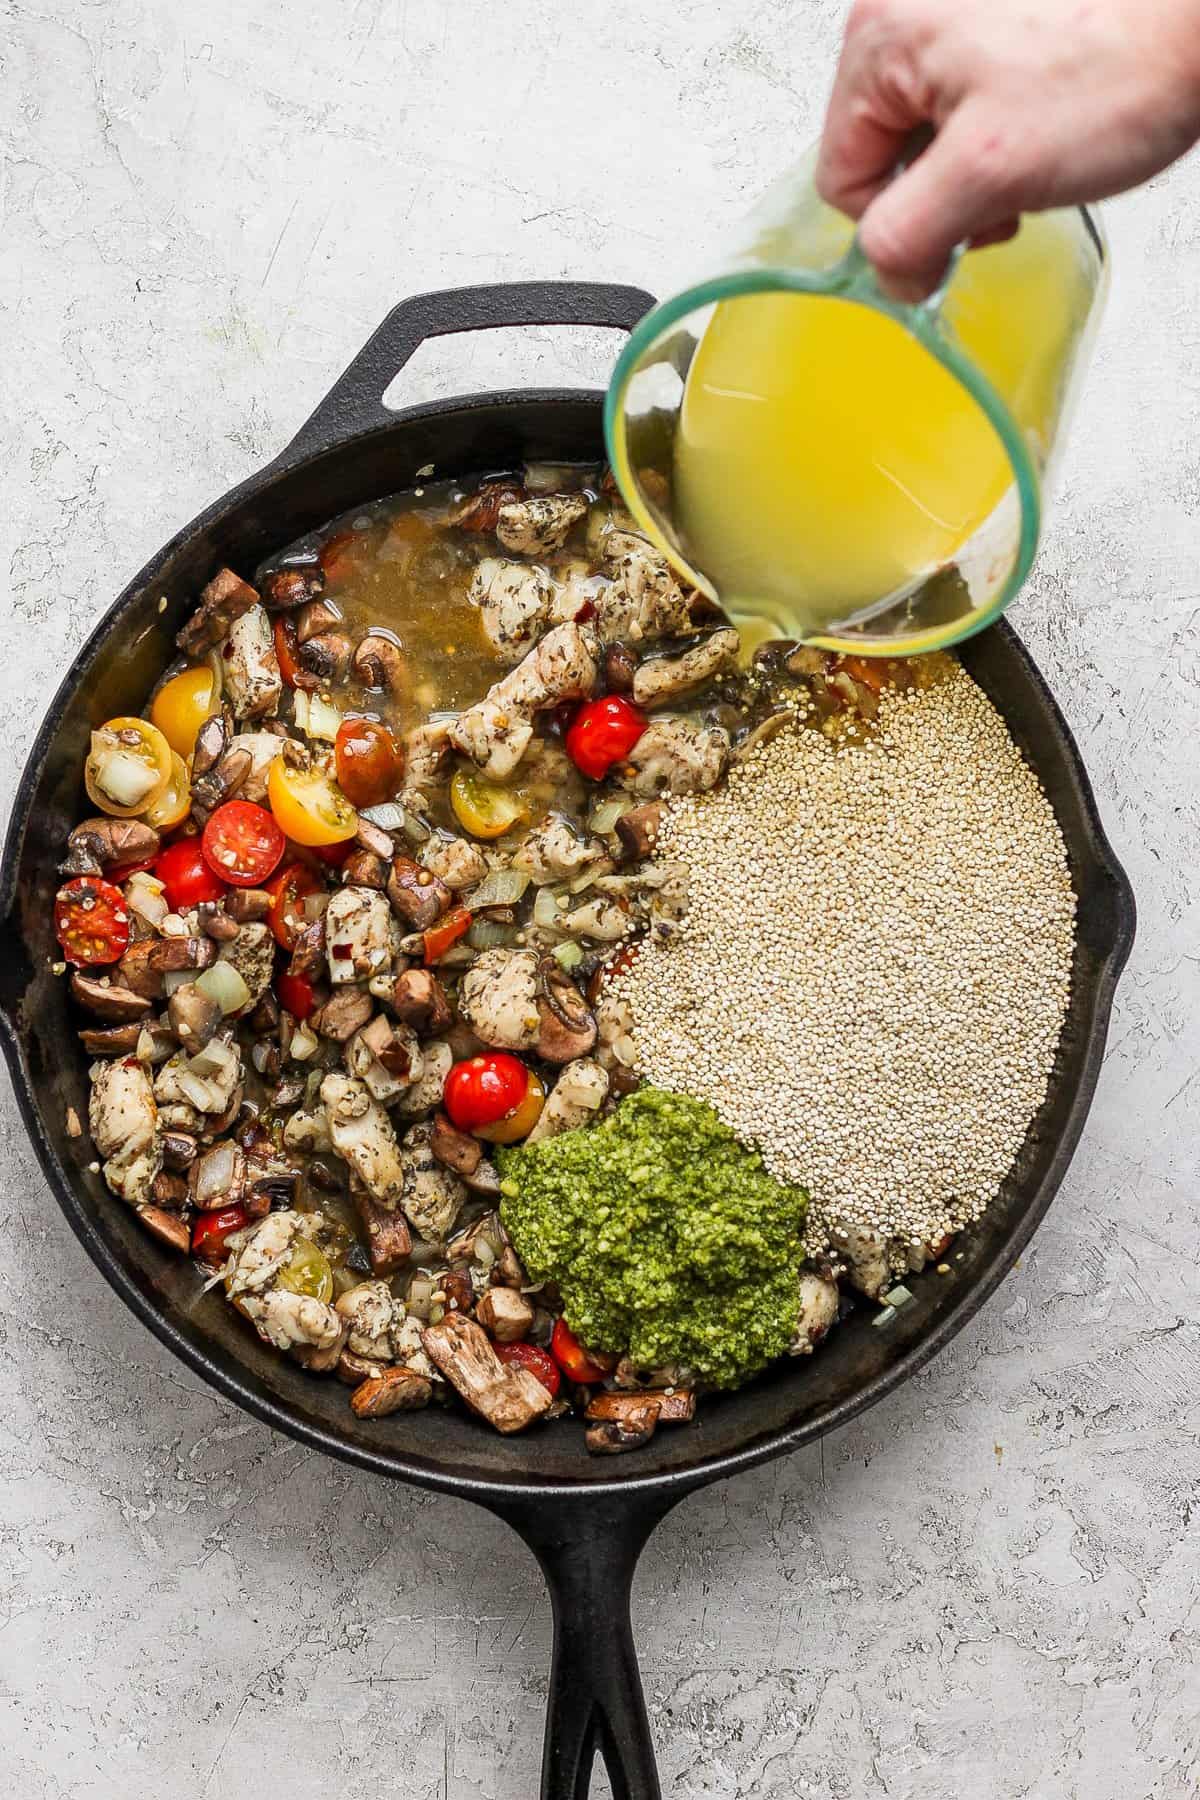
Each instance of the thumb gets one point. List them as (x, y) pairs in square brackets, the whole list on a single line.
[(961, 187)]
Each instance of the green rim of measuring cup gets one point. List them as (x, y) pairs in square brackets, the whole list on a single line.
[(850, 279)]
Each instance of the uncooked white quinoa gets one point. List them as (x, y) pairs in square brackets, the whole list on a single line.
[(872, 975)]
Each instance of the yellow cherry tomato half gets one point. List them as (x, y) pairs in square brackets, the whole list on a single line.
[(482, 808), (307, 1271), (128, 767), (308, 808), (175, 802), (181, 706), (521, 1121)]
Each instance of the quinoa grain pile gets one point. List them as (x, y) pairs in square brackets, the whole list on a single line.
[(872, 975)]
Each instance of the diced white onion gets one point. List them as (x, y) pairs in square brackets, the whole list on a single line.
[(605, 814), (176, 978), (388, 815), (303, 1045), (545, 907), (324, 720), (503, 887), (144, 896), (569, 955), (223, 984), (216, 1058), (124, 777)]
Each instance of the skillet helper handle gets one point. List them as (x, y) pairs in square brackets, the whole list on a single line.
[(355, 401), (589, 1550)]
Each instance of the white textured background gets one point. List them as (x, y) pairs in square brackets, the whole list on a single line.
[(985, 1589)]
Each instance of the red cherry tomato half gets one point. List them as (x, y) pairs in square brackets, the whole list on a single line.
[(242, 843), (484, 1089), (528, 1356), (334, 855), (288, 890), (369, 762), (571, 1356), (186, 876), (212, 1228), (91, 920), (446, 932), (602, 733), (295, 994), (286, 648)]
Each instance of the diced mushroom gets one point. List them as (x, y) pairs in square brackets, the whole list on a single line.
[(179, 1150), (481, 510), (251, 667), (675, 1408), (108, 843), (215, 922), (535, 527), (484, 1179), (426, 1093), (496, 732), (433, 1197), (456, 1150), (379, 663), (212, 741), (386, 1057), (362, 868), (515, 603), (576, 1097), (506, 1395), (662, 678), (326, 656), (816, 1313), (293, 585), (389, 1240), (498, 998), (566, 1027), (459, 864), (344, 1013), (644, 600), (144, 964), (220, 784), (167, 1227), (316, 616), (308, 950), (108, 999), (620, 667), (247, 905), (675, 756), (193, 1016), (638, 830), (226, 599), (416, 894), (393, 1390), (123, 1119), (362, 1135), (557, 849), (111, 1040), (420, 1000), (505, 1314), (362, 938), (610, 1437)]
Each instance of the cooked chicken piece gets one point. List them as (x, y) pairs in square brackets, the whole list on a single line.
[(362, 1135), (296, 1323), (123, 1119), (675, 756), (393, 1390), (108, 999), (496, 732), (101, 843), (498, 998), (576, 1097), (505, 1314), (362, 938), (426, 1093), (307, 1131), (505, 1394), (375, 1317), (644, 600), (817, 1311), (535, 527), (662, 678), (226, 599), (262, 747), (206, 1081), (433, 1197), (250, 667), (260, 1251), (514, 602), (557, 849), (657, 893), (252, 954), (601, 919), (426, 748), (615, 1047), (456, 862), (345, 1013), (386, 1057), (865, 1254)]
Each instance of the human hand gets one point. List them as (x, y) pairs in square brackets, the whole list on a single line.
[(1033, 105)]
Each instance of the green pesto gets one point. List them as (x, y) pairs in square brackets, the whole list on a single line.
[(668, 1239)]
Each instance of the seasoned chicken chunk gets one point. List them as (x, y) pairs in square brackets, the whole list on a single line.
[(426, 1093), (575, 1098), (376, 1319), (498, 998), (295, 1323), (536, 526), (675, 756), (817, 1311), (433, 1196), (643, 600), (386, 1057), (362, 935), (496, 732), (260, 1251), (515, 603), (252, 954), (865, 1254), (362, 1135), (262, 747), (250, 667), (459, 864), (123, 1119), (557, 849), (206, 1081), (662, 678)]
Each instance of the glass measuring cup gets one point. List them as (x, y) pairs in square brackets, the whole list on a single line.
[(861, 474)]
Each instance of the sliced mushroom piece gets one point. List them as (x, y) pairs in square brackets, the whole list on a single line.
[(193, 1016), (420, 1000), (308, 951), (362, 1135), (108, 999), (262, 747), (535, 527), (566, 1025), (221, 783), (416, 894), (374, 838), (386, 1057), (212, 741), (675, 1408), (315, 617), (170, 1190), (379, 663), (226, 599), (504, 1314), (620, 667), (344, 1013), (506, 1395), (484, 1179), (327, 656), (123, 1119), (392, 1390), (294, 585), (108, 843), (362, 868), (247, 905), (167, 1227), (143, 965), (456, 1150), (179, 1150), (389, 1240), (481, 510), (635, 1427), (111, 1040), (662, 678), (216, 923), (638, 830)]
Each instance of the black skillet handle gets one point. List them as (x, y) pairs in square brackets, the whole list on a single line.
[(355, 401), (588, 1546)]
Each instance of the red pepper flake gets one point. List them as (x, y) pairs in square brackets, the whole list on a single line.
[(342, 952)]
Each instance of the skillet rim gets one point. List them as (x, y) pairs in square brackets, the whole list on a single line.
[(499, 1491)]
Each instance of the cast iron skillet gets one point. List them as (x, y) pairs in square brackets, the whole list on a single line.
[(585, 1519)]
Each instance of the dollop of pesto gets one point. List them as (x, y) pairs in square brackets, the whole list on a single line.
[(668, 1239)]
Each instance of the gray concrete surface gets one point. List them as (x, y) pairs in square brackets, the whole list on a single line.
[(985, 1589)]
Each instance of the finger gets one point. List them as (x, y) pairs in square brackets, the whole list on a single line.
[(999, 234), (962, 187), (867, 126)]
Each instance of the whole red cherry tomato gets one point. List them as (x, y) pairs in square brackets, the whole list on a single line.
[(528, 1356), (212, 1228), (242, 843), (186, 876), (124, 871), (91, 920), (484, 1089), (602, 733), (288, 890), (333, 855), (369, 761), (295, 994), (571, 1356)]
